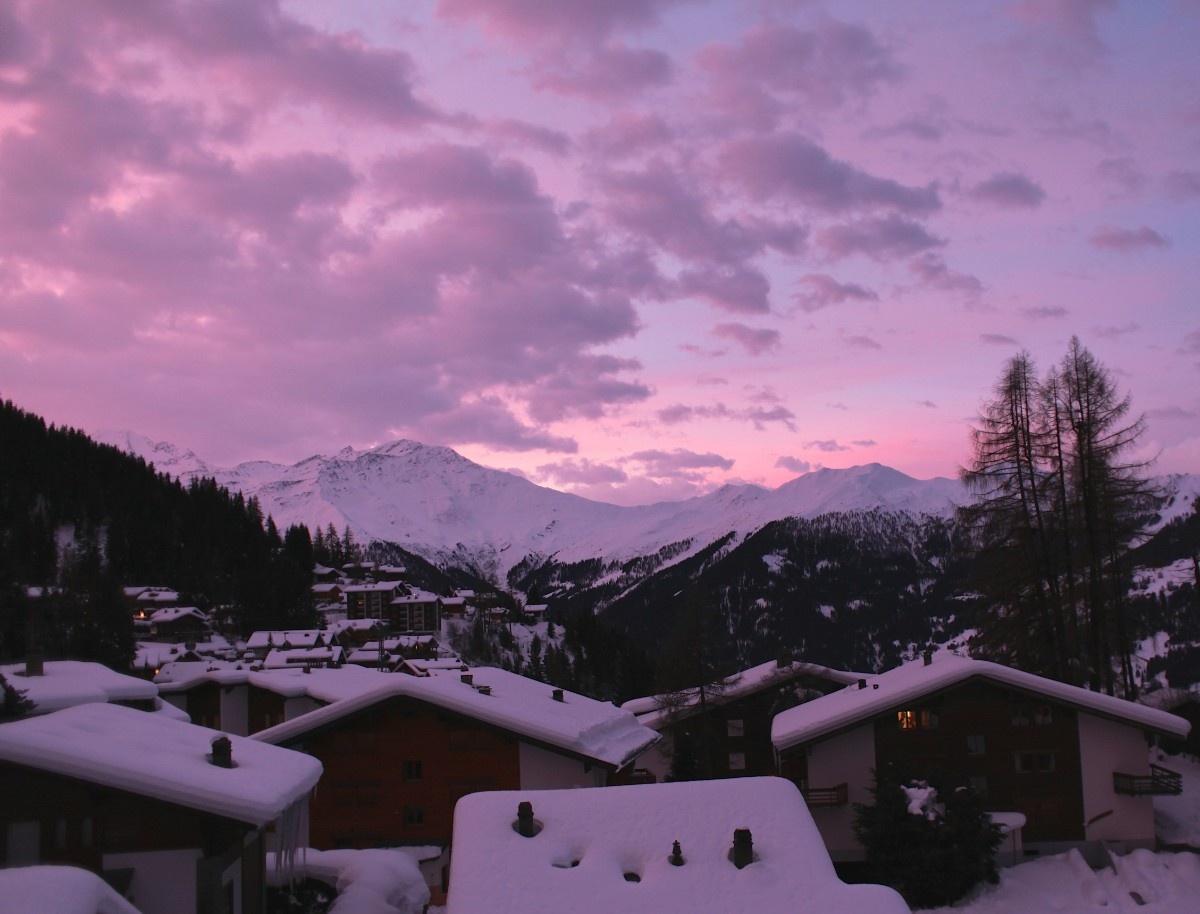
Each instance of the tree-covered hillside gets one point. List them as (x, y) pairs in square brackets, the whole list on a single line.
[(80, 519)]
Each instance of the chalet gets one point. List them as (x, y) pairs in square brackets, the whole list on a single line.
[(391, 652), (326, 593), (534, 612), (323, 574), (736, 721), (700, 846), (259, 644), (147, 599), (1074, 763), (417, 612), (56, 684), (171, 814), (302, 657), (352, 633), (177, 624), (454, 607), (397, 758), (238, 700)]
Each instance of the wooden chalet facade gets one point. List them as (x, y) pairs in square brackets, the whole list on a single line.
[(398, 759), (139, 809), (736, 723), (1074, 763)]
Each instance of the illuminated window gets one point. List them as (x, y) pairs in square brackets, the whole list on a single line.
[(908, 719)]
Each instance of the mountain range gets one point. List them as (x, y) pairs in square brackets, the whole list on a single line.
[(437, 504)]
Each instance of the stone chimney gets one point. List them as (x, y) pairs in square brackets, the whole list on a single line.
[(222, 752), (783, 658), (468, 678), (862, 683), (526, 825), (928, 657), (557, 695), (742, 854), (35, 664)]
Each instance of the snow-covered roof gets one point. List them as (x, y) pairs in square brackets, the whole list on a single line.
[(454, 601), (306, 637), (321, 684), (912, 681), (171, 613), (593, 842), (384, 586), (158, 596), (325, 588), (416, 596), (438, 666), (154, 756), (61, 889), (352, 625), (577, 725), (282, 658), (65, 683), (657, 710)]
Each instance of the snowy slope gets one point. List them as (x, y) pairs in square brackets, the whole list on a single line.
[(437, 503)]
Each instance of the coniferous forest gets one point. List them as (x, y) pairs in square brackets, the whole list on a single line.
[(79, 520)]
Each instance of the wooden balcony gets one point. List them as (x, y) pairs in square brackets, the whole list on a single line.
[(826, 796), (1159, 782)]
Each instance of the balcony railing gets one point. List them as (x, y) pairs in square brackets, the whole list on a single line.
[(826, 796), (1159, 782)]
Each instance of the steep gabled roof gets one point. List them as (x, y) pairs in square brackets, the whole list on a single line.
[(594, 842), (583, 727), (658, 710), (164, 759), (910, 683)]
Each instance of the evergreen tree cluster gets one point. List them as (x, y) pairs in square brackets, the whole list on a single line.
[(80, 519), (1058, 500), (932, 856)]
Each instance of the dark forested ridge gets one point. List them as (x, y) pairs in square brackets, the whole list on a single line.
[(80, 519)]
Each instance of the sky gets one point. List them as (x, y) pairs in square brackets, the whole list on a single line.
[(634, 249)]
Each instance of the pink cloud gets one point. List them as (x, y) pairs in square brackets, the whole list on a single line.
[(627, 134), (820, 290), (1009, 189), (582, 472), (609, 72), (523, 133), (667, 463), (795, 465), (1123, 172), (859, 341), (1046, 312), (823, 66), (792, 167), (1122, 240), (882, 239), (997, 339), (1064, 32), (828, 446), (533, 21), (1183, 185), (932, 271), (740, 289), (755, 340)]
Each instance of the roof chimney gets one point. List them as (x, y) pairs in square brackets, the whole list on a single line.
[(222, 752), (35, 665), (468, 678), (862, 683), (783, 658), (557, 695), (928, 657), (676, 858), (526, 825), (484, 689), (742, 854)]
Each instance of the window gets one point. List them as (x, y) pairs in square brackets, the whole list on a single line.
[(1034, 762), (924, 719), (60, 833), (978, 783), (737, 761), (412, 771), (976, 744), (414, 815), (1043, 714), (735, 728), (1024, 715)]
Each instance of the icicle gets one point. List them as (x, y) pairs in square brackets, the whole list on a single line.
[(291, 835)]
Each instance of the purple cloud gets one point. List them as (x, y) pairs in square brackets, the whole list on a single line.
[(739, 289), (531, 21), (755, 340), (627, 134), (997, 339), (820, 290), (881, 239), (1046, 312), (795, 464), (932, 271), (1010, 190), (792, 167), (1122, 240), (582, 472), (859, 341), (1183, 185), (1123, 172), (668, 463), (823, 66), (604, 73), (828, 446)]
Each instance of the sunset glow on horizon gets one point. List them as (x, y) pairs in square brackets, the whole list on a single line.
[(631, 249)]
